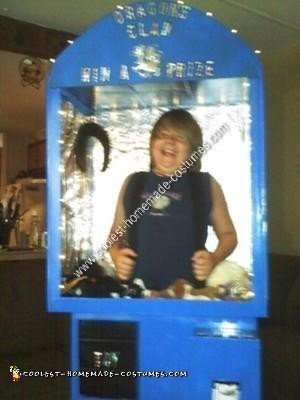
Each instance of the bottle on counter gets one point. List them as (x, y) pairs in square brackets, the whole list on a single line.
[(34, 234)]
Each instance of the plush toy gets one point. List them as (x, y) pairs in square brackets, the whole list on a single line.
[(228, 281)]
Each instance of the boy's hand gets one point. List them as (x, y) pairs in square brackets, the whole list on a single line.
[(125, 260), (203, 263)]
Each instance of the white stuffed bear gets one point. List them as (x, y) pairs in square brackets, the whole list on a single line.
[(227, 281)]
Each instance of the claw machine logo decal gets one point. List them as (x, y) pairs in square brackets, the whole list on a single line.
[(148, 61)]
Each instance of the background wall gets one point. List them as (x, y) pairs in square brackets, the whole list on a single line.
[(283, 143), (16, 155), (22, 114)]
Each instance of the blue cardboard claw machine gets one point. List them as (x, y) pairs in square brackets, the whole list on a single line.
[(105, 92)]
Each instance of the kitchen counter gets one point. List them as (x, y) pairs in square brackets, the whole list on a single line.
[(19, 255)]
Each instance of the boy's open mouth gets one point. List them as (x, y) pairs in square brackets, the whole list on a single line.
[(168, 152)]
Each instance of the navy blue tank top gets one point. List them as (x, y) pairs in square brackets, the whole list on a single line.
[(166, 236)]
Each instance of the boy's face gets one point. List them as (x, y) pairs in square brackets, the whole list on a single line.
[(168, 150)]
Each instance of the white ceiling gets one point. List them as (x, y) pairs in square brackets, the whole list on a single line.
[(264, 24), (268, 25)]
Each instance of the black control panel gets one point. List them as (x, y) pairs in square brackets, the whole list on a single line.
[(108, 351)]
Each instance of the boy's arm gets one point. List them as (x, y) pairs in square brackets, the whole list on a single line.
[(222, 224), (118, 217), (204, 261), (122, 256)]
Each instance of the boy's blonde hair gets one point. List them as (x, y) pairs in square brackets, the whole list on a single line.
[(185, 124)]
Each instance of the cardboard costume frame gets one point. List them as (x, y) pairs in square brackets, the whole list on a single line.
[(145, 58)]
